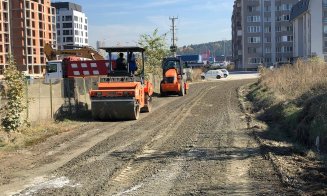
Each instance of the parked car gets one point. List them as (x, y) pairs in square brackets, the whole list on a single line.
[(225, 72), (212, 74)]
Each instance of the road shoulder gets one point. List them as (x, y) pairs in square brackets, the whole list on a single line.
[(298, 168)]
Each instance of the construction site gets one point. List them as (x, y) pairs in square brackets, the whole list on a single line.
[(146, 119)]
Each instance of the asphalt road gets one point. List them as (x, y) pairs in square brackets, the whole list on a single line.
[(193, 145)]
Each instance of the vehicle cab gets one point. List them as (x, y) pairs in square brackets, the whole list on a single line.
[(54, 71)]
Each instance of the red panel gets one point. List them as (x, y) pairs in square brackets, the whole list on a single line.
[(88, 68)]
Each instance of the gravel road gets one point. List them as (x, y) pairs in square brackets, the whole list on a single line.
[(193, 145)]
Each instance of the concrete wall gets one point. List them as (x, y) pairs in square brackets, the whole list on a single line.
[(67, 97)]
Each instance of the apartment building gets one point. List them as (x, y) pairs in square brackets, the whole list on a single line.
[(32, 24), (237, 44), (4, 34), (72, 25), (309, 18), (265, 32)]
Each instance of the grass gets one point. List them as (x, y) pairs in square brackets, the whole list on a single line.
[(293, 101), (196, 73), (34, 134)]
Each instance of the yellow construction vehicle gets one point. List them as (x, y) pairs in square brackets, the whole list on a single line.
[(84, 52)]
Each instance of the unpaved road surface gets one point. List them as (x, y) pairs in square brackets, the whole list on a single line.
[(193, 145)]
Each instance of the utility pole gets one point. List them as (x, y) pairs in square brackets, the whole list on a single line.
[(173, 47)]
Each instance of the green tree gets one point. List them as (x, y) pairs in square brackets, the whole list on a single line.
[(155, 50), (13, 109)]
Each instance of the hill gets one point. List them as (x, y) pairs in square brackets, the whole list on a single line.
[(215, 48)]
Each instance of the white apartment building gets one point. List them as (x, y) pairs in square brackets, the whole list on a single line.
[(72, 25), (309, 18)]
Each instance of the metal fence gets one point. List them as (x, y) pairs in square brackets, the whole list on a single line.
[(66, 98)]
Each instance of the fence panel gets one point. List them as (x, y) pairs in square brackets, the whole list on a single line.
[(66, 98)]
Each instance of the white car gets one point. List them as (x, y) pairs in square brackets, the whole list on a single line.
[(225, 72), (212, 74)]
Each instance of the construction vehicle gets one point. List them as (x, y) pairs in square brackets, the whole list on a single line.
[(72, 64), (121, 95), (83, 52), (174, 81)]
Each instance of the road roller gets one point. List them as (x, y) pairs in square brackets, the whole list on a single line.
[(174, 80), (124, 93)]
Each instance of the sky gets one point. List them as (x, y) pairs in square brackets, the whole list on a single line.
[(121, 22)]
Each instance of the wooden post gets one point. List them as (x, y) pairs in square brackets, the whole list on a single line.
[(51, 109)]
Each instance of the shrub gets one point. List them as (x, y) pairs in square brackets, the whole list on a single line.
[(12, 112)]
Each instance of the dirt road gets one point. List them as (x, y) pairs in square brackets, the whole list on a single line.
[(193, 145)]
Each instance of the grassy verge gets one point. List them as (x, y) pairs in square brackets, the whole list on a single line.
[(35, 134), (293, 101)]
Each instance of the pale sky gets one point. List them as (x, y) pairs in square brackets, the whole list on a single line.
[(123, 21)]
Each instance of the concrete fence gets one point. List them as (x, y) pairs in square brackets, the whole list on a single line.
[(67, 98)]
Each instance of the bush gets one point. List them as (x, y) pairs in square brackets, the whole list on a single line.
[(12, 112)]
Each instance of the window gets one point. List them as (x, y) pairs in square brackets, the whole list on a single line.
[(253, 19), (268, 39), (268, 60), (51, 68), (286, 7), (267, 50), (254, 60), (267, 19), (287, 49), (69, 39), (278, 28), (75, 18), (252, 50), (289, 28), (267, 29), (253, 8), (67, 25), (254, 40), (267, 8), (278, 8), (278, 39), (67, 32), (254, 29), (286, 17), (68, 18), (287, 38)]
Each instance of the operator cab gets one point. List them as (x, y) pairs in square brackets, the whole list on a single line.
[(117, 71), (172, 63)]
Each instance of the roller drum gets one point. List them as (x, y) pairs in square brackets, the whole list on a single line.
[(115, 109)]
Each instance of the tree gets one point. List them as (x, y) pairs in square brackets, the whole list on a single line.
[(155, 50), (12, 111)]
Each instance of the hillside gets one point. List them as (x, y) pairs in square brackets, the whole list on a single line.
[(215, 48)]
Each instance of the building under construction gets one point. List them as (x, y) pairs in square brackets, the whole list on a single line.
[(25, 26)]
